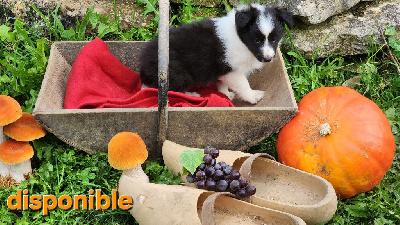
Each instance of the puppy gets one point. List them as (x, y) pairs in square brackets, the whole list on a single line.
[(222, 50)]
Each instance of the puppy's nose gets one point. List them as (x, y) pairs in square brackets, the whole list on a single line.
[(267, 59)]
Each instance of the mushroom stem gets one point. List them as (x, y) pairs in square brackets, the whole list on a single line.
[(16, 171), (2, 136), (324, 129), (137, 173)]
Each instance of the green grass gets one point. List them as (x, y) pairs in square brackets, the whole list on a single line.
[(63, 170)]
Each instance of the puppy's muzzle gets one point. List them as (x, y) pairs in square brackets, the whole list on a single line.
[(267, 59)]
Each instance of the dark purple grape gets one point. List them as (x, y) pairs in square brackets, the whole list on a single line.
[(213, 162), (223, 164), (210, 185), (218, 175), (190, 178), (207, 150), (207, 159), (243, 182), (227, 170), (222, 185), (209, 171), (201, 166), (234, 185), (214, 153), (250, 190), (241, 193), (217, 167), (200, 175), (201, 184), (227, 177), (235, 175)]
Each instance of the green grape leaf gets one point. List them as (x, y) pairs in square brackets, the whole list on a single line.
[(190, 160)]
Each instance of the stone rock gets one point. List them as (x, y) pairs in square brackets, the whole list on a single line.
[(352, 82), (312, 11), (347, 34), (316, 11), (129, 12)]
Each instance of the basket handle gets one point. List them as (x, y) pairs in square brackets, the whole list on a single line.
[(163, 61)]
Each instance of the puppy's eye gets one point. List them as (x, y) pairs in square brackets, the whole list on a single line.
[(272, 39), (257, 40)]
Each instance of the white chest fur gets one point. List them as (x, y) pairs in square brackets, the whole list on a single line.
[(237, 55), (239, 58)]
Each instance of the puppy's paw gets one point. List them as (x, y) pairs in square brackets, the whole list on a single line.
[(195, 94), (254, 96), (229, 94)]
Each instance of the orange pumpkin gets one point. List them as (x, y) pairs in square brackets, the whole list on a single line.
[(341, 136)]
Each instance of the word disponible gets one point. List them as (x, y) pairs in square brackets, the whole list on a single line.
[(22, 201)]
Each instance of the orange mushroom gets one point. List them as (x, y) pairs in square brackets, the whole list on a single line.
[(127, 151), (26, 128), (10, 111), (15, 159)]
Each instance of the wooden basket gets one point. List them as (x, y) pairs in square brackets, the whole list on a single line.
[(235, 128)]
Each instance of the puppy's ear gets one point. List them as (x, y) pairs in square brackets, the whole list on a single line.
[(243, 17), (285, 16)]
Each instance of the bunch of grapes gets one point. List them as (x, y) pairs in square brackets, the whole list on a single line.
[(220, 176)]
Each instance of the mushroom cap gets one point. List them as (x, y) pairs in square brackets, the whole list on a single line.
[(10, 110), (14, 152), (126, 150), (25, 128)]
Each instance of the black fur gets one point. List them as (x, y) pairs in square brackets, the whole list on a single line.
[(195, 57), (284, 17), (251, 36), (248, 31)]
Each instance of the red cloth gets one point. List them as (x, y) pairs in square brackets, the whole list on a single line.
[(99, 80)]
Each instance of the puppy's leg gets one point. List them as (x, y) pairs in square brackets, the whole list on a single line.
[(223, 88), (179, 79), (239, 84)]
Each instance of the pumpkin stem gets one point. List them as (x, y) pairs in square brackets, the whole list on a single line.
[(324, 129)]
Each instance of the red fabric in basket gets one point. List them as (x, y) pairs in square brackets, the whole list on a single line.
[(99, 80)]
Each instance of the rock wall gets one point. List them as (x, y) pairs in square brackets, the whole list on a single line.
[(348, 33)]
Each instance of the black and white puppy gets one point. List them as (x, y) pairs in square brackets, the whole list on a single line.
[(222, 50)]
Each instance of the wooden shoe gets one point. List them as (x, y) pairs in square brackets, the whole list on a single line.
[(176, 204), (279, 187)]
